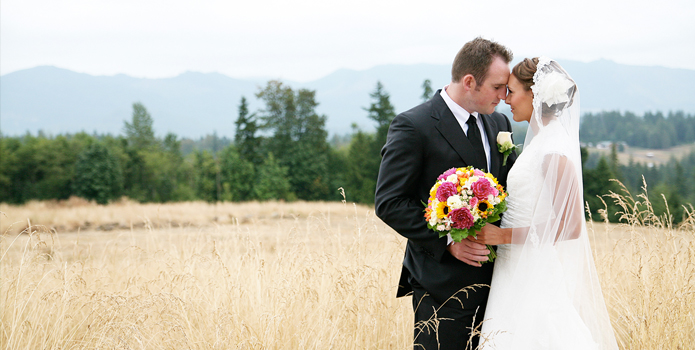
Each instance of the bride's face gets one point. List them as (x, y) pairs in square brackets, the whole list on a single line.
[(519, 99)]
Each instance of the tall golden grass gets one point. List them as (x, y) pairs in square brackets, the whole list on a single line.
[(292, 276), (647, 270), (278, 276)]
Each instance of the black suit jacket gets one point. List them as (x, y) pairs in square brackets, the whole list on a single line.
[(422, 143)]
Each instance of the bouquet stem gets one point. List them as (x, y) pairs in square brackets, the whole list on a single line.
[(492, 256)]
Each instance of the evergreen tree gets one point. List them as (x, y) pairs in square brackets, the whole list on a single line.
[(382, 112), (41, 167), (150, 165), (237, 176), (674, 189), (362, 168), (597, 183), (165, 164), (364, 154), (55, 160), (139, 131), (136, 176), (299, 138), (206, 176), (426, 90), (245, 139), (272, 181), (338, 165), (97, 174), (8, 163), (615, 163)]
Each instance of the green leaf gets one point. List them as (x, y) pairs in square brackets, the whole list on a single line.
[(460, 234), (493, 217)]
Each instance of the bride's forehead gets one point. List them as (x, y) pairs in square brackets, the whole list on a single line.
[(513, 80)]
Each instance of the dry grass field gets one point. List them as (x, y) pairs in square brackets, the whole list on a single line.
[(274, 275)]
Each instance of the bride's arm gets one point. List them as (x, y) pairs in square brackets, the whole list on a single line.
[(566, 212), (493, 235), (567, 197)]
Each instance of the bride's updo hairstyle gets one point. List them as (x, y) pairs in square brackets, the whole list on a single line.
[(524, 72)]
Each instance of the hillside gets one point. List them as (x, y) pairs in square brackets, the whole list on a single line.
[(194, 104)]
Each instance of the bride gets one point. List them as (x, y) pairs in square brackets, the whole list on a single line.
[(545, 293)]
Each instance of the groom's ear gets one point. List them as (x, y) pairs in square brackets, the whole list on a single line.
[(468, 81)]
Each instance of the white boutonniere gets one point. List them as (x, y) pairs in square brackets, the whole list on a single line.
[(505, 145)]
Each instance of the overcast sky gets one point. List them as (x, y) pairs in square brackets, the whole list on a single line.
[(304, 40)]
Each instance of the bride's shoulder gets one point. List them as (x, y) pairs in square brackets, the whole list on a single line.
[(555, 140)]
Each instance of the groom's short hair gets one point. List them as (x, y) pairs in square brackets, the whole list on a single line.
[(476, 57)]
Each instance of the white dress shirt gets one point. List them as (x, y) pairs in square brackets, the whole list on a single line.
[(461, 116)]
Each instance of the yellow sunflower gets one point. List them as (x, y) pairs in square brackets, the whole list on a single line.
[(483, 207), (441, 210)]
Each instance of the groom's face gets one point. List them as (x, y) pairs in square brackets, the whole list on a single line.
[(488, 94)]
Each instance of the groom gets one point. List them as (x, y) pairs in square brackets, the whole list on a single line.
[(458, 127)]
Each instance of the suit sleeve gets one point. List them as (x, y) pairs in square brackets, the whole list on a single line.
[(397, 202)]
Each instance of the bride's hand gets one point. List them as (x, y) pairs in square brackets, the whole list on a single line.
[(492, 235)]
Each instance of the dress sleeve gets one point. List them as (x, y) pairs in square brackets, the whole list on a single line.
[(558, 214)]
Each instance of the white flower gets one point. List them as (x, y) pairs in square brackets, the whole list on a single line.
[(433, 220), (504, 138), (441, 227), (454, 202), (476, 216), (453, 179), (552, 89), (490, 198)]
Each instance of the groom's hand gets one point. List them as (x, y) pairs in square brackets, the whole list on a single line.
[(471, 253)]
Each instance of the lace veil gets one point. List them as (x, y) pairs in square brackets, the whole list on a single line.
[(555, 261)]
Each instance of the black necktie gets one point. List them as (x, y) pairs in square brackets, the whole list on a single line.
[(477, 142)]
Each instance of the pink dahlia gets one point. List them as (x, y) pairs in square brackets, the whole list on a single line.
[(462, 218), (483, 188), (445, 190), (478, 172)]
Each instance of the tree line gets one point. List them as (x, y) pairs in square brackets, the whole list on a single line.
[(652, 130), (281, 151)]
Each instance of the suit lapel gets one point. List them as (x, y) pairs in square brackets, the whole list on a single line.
[(492, 141), (451, 130)]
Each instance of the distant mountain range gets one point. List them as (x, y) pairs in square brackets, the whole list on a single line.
[(194, 104)]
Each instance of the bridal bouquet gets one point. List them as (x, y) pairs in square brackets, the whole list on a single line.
[(462, 201)]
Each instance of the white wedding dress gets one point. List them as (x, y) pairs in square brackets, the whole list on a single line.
[(544, 292)]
